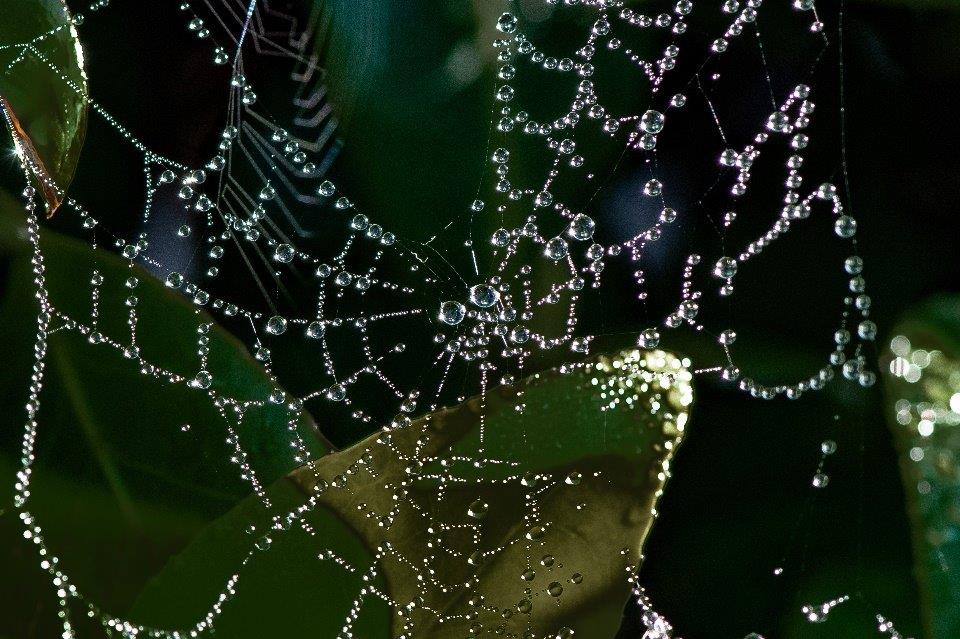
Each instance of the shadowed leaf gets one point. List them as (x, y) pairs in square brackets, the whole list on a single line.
[(128, 437), (43, 91)]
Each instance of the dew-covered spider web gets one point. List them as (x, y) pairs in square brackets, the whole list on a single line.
[(393, 324)]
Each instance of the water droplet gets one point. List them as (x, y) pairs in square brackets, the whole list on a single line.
[(507, 23), (452, 312), (276, 325), (284, 253), (337, 393), (484, 295), (581, 227), (778, 121), (326, 188), (650, 338), (519, 335), (505, 93), (543, 199), (478, 509), (203, 379), (845, 226), (652, 121), (316, 329), (867, 330), (725, 268), (729, 157), (555, 249)]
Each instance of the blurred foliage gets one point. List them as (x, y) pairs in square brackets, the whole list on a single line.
[(922, 374)]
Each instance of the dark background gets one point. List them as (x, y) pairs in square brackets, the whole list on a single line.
[(740, 501)]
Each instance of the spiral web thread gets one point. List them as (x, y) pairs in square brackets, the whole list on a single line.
[(244, 199)]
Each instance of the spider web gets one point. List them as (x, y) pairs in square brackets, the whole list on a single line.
[(281, 256)]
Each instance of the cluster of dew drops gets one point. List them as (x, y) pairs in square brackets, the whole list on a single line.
[(486, 300)]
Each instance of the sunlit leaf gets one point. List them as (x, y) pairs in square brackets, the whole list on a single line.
[(590, 447)]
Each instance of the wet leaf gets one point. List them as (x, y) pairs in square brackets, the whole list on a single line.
[(43, 91), (545, 508), (135, 443), (922, 372)]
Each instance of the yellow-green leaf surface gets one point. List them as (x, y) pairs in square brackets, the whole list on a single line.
[(520, 511)]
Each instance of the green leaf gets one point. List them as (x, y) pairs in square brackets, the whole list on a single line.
[(119, 434), (561, 473), (922, 374), (43, 88), (283, 589)]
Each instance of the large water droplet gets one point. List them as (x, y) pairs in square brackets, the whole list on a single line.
[(316, 329), (507, 23), (725, 268), (284, 253), (650, 338), (484, 295), (652, 121), (581, 228), (452, 312), (337, 393), (555, 249), (276, 325)]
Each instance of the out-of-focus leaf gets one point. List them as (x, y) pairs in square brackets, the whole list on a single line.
[(43, 89), (922, 371), (146, 444), (591, 447)]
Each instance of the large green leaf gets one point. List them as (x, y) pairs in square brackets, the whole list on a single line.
[(542, 511), (132, 444), (43, 88), (923, 397)]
